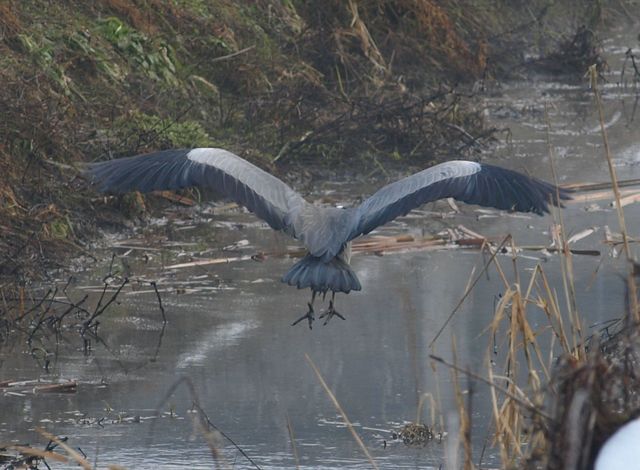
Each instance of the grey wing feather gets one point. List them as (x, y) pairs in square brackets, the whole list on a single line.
[(231, 176), (469, 182)]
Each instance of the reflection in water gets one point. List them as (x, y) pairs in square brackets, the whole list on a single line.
[(247, 364), (223, 337)]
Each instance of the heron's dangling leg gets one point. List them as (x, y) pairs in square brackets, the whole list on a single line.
[(331, 311), (309, 315)]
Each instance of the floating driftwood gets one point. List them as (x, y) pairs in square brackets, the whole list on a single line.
[(603, 185), (573, 251), (31, 387), (604, 195), (385, 244), (615, 238), (582, 234), (459, 237), (209, 261), (626, 200), (453, 238)]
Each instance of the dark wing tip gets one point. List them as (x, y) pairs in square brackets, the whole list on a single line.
[(149, 172), (518, 192), (557, 194), (565, 193)]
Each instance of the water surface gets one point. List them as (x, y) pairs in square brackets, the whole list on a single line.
[(228, 324)]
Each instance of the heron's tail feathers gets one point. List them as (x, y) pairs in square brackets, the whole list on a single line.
[(336, 275)]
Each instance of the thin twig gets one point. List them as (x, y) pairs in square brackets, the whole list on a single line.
[(155, 287), (196, 404), (84, 463), (469, 289), (98, 312), (45, 297), (530, 407), (210, 424)]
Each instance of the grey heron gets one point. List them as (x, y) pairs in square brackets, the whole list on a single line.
[(326, 232)]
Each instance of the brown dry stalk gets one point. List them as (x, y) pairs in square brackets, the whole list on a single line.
[(438, 399), (469, 289), (593, 76), (335, 402), (631, 284), (369, 47), (522, 341), (506, 414), (543, 304), (550, 305), (522, 400), (465, 420), (294, 449), (500, 428), (560, 240)]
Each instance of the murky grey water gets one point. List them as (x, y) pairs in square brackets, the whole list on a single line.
[(229, 332)]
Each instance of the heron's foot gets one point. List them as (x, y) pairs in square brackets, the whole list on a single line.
[(309, 316), (330, 313)]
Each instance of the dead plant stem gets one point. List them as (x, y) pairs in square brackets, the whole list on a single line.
[(294, 449), (335, 402), (463, 412), (633, 299), (525, 404), (469, 289), (566, 260)]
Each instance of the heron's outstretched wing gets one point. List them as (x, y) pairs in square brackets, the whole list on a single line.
[(231, 176), (470, 182)]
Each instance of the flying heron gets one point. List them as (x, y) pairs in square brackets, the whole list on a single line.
[(326, 232)]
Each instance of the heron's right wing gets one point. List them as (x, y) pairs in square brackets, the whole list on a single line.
[(470, 182), (229, 175)]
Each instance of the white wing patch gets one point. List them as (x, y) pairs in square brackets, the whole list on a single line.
[(454, 169), (208, 155)]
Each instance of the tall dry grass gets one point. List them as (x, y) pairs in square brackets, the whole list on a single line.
[(555, 409)]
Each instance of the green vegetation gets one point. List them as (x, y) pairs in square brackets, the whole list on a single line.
[(164, 133), (157, 61)]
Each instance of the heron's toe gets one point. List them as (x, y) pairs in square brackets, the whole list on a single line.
[(330, 313), (309, 316)]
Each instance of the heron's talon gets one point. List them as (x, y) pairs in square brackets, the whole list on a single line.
[(330, 312), (309, 316)]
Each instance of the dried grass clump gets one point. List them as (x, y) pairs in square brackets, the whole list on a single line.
[(590, 400), (554, 410), (589, 386)]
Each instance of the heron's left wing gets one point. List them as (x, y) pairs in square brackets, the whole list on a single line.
[(470, 182), (229, 175)]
